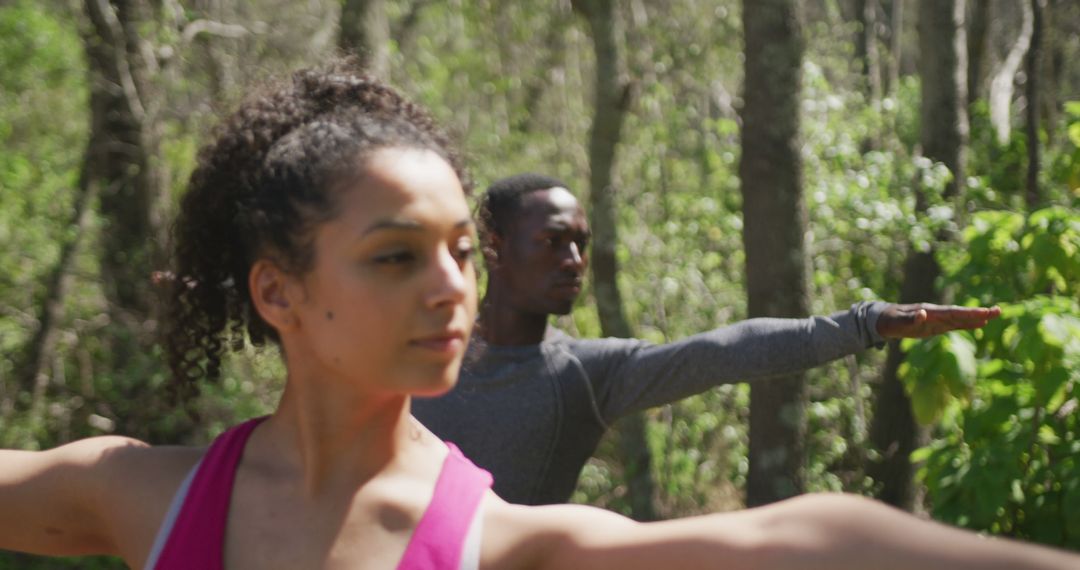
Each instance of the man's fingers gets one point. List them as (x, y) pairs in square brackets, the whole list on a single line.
[(957, 315), (920, 320)]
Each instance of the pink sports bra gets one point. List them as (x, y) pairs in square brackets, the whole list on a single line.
[(192, 534)]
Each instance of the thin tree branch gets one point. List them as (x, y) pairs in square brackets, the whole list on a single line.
[(108, 27), (40, 349), (1001, 87), (213, 28)]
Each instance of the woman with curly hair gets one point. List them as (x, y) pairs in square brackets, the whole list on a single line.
[(329, 216)]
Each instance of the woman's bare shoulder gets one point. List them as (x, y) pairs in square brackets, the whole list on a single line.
[(121, 465), (129, 457), (91, 496), (539, 537), (139, 481)]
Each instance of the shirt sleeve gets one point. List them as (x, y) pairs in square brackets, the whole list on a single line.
[(630, 375)]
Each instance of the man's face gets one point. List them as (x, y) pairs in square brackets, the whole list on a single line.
[(543, 256)]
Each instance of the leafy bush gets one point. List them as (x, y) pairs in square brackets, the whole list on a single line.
[(1006, 461)]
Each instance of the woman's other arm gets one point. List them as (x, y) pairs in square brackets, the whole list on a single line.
[(833, 532)]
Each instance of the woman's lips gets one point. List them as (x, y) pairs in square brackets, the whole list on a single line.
[(447, 343)]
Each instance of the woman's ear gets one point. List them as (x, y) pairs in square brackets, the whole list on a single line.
[(268, 285)]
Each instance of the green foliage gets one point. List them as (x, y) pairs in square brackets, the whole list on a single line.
[(1065, 166), (936, 370), (42, 118), (1002, 167), (1006, 459)]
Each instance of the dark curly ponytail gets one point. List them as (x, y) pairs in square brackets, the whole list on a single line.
[(262, 184)]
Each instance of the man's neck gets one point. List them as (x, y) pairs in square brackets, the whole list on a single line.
[(500, 324)]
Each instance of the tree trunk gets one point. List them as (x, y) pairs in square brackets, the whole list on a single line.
[(1032, 195), (942, 68), (218, 61), (405, 28), (1056, 36), (896, 23), (981, 14), (123, 107), (126, 168), (364, 31), (893, 431), (612, 100), (943, 72), (774, 223), (1001, 86), (866, 48), (538, 81)]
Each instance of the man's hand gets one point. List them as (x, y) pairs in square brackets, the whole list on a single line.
[(921, 320)]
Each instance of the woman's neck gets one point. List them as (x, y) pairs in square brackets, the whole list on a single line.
[(329, 436)]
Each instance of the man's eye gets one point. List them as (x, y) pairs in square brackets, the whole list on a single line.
[(465, 252), (464, 249)]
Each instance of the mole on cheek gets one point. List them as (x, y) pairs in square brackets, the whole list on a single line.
[(329, 315)]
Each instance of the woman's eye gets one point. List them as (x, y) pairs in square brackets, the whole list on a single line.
[(395, 258)]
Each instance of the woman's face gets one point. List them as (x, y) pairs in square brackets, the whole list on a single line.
[(391, 298)]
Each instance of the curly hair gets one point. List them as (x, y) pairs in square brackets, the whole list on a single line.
[(502, 200), (260, 187)]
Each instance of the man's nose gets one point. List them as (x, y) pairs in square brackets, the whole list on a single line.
[(574, 257)]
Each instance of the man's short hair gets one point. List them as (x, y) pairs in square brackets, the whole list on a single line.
[(503, 198)]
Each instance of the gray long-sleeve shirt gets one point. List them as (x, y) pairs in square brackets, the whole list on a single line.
[(533, 415)]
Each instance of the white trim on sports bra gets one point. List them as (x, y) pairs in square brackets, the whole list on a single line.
[(470, 551), (170, 518)]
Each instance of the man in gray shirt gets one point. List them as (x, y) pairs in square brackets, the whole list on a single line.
[(532, 402)]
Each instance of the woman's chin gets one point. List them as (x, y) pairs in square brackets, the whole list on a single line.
[(434, 388)]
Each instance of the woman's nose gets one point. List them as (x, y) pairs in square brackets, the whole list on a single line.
[(449, 282)]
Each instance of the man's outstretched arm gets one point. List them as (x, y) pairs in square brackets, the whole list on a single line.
[(631, 375)]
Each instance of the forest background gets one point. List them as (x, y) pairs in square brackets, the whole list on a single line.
[(737, 159)]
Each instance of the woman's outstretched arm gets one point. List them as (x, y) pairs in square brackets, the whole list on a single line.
[(50, 501), (827, 532)]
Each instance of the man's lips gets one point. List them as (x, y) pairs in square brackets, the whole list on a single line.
[(570, 285)]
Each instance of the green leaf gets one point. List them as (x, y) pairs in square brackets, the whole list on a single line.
[(1050, 387), (922, 454), (961, 370), (928, 402), (1047, 436), (1074, 134), (1017, 491), (989, 368), (1058, 329)]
